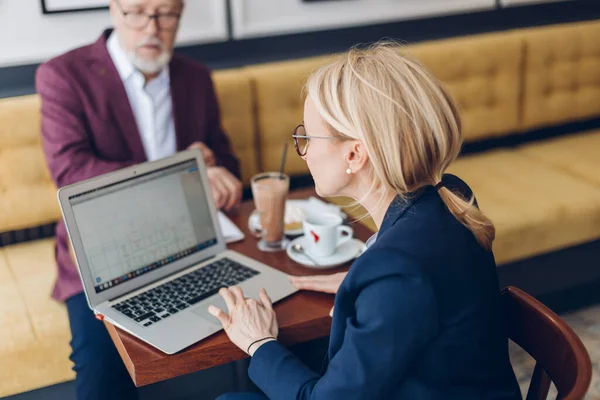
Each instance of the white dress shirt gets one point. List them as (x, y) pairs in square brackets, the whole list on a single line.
[(371, 241), (151, 103)]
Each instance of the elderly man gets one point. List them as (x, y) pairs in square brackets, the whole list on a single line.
[(124, 100)]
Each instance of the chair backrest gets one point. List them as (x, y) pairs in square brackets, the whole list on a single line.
[(559, 354)]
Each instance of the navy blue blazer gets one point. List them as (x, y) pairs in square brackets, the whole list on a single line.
[(417, 317)]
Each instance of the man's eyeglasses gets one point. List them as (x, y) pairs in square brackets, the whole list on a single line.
[(301, 139), (139, 20)]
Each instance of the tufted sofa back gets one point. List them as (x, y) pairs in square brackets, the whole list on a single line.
[(503, 83), (279, 108), (27, 194), (561, 74), (483, 75), (236, 101)]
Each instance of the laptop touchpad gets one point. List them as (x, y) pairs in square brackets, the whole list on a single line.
[(202, 311)]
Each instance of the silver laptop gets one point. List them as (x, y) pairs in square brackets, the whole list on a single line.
[(151, 254)]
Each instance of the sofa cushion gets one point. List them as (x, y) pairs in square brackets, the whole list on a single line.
[(562, 74), (34, 269), (536, 208), (27, 194), (42, 364), (35, 351), (578, 154), (482, 74), (236, 102), (16, 330)]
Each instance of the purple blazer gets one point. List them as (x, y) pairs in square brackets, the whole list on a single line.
[(88, 126)]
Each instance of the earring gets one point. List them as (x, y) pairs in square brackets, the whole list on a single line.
[(349, 171)]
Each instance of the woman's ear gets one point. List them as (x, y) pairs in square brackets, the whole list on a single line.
[(356, 155)]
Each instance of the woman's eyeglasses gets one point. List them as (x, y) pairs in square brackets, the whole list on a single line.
[(301, 139)]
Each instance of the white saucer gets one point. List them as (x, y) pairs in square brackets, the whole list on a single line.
[(346, 252)]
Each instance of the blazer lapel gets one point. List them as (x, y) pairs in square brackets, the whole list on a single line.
[(179, 100), (395, 211), (119, 101)]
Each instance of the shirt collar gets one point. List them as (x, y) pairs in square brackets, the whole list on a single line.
[(125, 67), (371, 241), (122, 63)]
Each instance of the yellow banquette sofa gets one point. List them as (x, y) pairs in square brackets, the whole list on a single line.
[(542, 196)]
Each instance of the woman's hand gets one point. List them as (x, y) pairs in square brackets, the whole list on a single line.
[(319, 283), (248, 319)]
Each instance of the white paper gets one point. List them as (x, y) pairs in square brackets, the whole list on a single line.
[(297, 209), (319, 206), (230, 231)]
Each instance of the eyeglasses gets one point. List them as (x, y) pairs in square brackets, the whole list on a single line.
[(139, 20), (301, 139)]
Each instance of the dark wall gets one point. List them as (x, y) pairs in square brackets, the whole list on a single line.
[(234, 53)]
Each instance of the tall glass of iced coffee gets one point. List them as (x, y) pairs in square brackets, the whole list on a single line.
[(270, 190)]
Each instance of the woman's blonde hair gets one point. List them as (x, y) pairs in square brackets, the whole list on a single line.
[(409, 124)]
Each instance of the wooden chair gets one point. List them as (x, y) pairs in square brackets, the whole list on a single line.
[(559, 354)]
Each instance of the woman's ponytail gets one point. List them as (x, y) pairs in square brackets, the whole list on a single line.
[(468, 214)]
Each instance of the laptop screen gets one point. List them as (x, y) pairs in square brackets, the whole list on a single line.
[(139, 225)]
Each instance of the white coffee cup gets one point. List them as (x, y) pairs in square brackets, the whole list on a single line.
[(324, 233)]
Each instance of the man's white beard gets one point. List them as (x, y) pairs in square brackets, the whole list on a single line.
[(150, 66)]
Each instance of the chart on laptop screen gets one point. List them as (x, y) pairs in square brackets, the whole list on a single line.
[(142, 226)]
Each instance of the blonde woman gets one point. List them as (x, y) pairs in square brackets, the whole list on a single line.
[(417, 316)]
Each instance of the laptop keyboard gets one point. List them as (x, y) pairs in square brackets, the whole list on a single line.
[(165, 300)]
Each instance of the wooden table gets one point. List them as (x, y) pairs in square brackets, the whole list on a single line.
[(302, 317)]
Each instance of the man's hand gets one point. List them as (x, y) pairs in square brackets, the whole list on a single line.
[(207, 154), (226, 188)]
